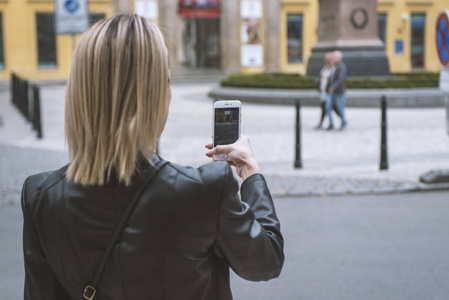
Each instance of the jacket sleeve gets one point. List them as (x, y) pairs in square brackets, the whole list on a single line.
[(340, 78), (249, 235), (40, 281)]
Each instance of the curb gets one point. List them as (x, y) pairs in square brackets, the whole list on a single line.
[(361, 191), (410, 98)]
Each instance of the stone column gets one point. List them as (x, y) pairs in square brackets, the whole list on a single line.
[(170, 24), (351, 27), (122, 6), (272, 39), (230, 35)]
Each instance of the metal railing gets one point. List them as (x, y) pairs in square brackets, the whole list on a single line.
[(26, 98)]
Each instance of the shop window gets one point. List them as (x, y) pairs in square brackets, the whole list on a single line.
[(418, 39), (382, 26), (2, 54), (294, 38), (46, 40), (95, 17)]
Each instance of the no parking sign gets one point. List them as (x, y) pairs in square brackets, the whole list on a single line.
[(71, 16), (442, 39)]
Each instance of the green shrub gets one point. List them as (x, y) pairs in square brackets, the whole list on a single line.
[(296, 81)]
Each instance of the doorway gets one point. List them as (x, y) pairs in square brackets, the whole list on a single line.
[(201, 43)]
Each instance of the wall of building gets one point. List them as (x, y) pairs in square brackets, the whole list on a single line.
[(399, 14), (399, 17), (20, 38), (309, 11)]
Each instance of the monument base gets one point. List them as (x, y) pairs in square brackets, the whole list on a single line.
[(361, 60)]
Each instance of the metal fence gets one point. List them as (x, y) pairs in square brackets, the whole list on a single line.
[(26, 98)]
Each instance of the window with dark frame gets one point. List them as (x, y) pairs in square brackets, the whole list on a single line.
[(418, 38), (95, 17), (2, 54), (46, 40), (294, 38), (382, 27)]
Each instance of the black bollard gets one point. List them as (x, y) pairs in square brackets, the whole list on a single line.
[(383, 139), (298, 161), (37, 123)]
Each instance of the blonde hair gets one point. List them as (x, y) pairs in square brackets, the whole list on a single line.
[(117, 99), (328, 59)]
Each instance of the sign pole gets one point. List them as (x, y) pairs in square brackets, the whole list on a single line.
[(73, 43), (442, 43)]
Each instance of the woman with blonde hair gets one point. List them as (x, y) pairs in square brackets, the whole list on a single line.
[(119, 222), (325, 76)]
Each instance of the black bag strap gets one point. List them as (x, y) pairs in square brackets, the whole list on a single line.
[(91, 289)]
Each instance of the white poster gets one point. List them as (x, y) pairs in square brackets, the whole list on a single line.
[(250, 9), (72, 16), (147, 9), (252, 56)]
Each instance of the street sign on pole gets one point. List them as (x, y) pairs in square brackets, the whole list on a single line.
[(442, 40), (72, 16), (442, 37)]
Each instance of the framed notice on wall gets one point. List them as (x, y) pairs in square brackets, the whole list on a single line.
[(71, 16), (147, 9), (251, 33)]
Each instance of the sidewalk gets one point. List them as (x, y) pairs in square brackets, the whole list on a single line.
[(334, 163)]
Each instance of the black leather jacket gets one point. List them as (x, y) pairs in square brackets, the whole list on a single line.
[(187, 229)]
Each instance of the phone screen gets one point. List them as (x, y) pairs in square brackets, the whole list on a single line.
[(226, 127)]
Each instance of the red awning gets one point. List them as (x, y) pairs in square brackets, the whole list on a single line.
[(199, 8)]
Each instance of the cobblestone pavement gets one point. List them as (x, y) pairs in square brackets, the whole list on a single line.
[(334, 162)]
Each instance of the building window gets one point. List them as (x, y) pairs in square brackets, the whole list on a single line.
[(95, 17), (46, 40), (2, 54), (418, 39), (382, 26), (294, 38)]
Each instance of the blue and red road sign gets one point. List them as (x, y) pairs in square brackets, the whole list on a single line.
[(443, 37)]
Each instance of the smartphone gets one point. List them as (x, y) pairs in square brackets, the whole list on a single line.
[(227, 123)]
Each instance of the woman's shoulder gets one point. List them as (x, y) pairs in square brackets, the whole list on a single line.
[(37, 184), (210, 172), (212, 175)]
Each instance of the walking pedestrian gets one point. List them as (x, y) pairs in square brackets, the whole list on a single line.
[(337, 89), (324, 85), (120, 222)]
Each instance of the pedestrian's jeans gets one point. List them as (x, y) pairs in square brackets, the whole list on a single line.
[(340, 99)]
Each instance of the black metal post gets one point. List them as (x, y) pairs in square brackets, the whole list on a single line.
[(13, 88), (37, 125), (298, 161), (383, 139)]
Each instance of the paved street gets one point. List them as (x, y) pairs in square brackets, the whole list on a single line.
[(389, 247)]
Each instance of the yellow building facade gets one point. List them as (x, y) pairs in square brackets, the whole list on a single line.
[(407, 27), (29, 45)]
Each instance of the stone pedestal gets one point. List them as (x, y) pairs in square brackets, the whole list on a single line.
[(351, 27)]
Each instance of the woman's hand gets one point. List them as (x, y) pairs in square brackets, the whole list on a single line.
[(239, 155)]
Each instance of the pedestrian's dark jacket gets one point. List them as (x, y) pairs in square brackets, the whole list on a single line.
[(188, 228), (338, 79)]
